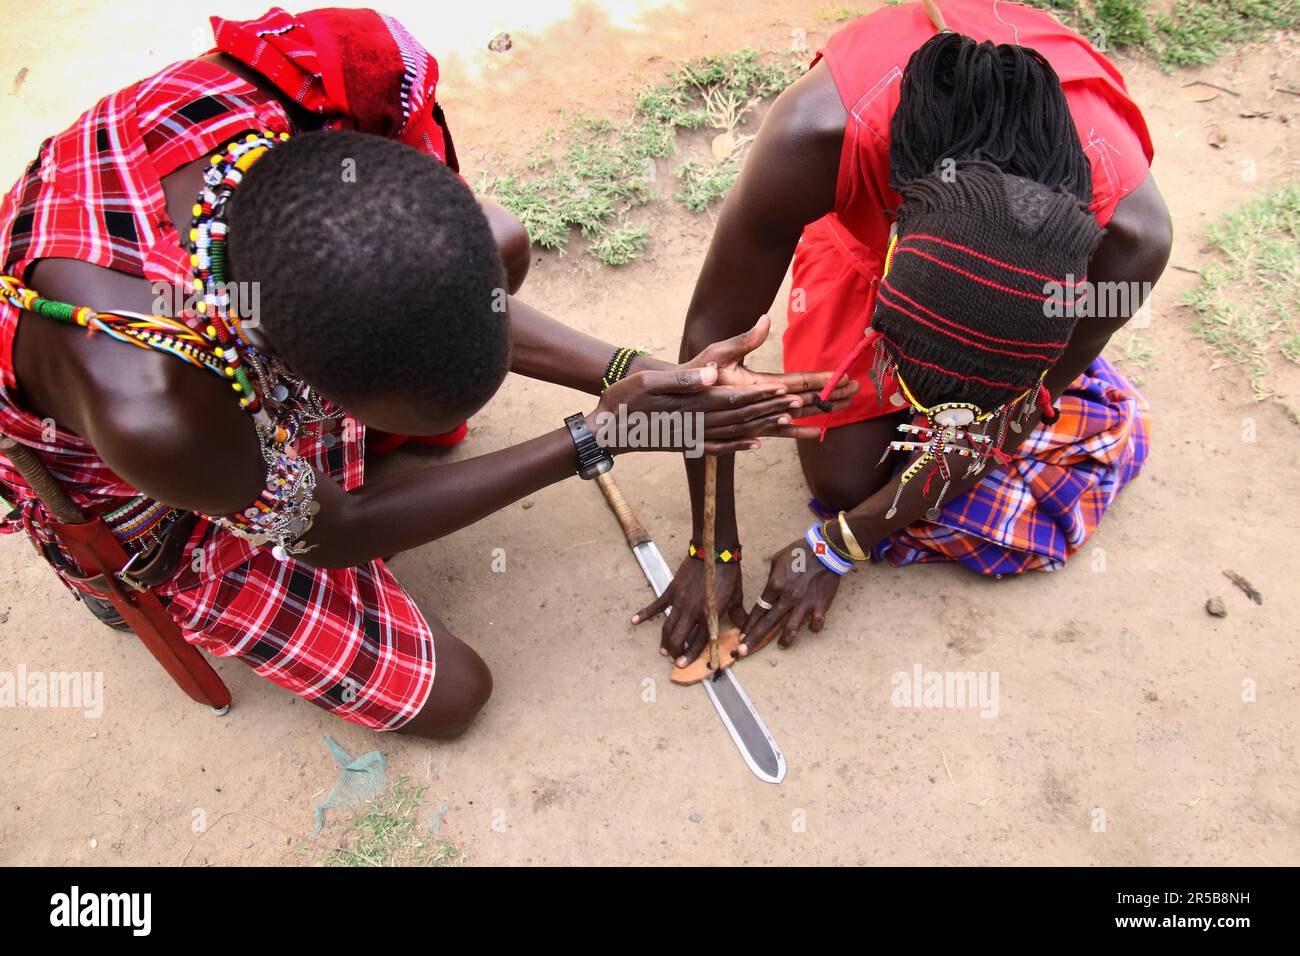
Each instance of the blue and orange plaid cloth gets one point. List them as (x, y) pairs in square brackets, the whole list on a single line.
[(1035, 512)]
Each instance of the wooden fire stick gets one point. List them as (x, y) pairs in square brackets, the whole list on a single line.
[(710, 569), (936, 16)]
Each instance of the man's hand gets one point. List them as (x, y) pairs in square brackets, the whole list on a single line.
[(685, 631), (728, 356), (731, 416), (799, 585)]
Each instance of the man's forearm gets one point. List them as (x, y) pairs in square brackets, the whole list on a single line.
[(546, 349), (408, 509), (724, 306), (726, 534)]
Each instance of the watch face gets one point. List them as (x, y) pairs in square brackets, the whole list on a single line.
[(596, 468)]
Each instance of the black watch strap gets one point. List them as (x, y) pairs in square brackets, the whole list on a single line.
[(593, 460)]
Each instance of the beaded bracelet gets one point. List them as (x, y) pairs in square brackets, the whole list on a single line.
[(840, 553), (618, 365), (825, 553), (725, 556)]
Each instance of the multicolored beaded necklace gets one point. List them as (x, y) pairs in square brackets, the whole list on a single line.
[(283, 512), (207, 246), (145, 331)]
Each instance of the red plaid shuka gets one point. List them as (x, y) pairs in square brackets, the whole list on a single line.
[(350, 640)]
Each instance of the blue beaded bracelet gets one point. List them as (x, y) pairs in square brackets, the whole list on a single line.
[(825, 554)]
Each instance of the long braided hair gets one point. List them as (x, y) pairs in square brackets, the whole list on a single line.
[(963, 99), (964, 329)]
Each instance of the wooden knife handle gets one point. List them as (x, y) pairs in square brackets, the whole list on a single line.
[(45, 485), (633, 530)]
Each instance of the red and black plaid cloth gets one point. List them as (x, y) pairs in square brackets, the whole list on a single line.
[(350, 640)]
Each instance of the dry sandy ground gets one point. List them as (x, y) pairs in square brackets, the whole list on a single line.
[(1121, 699)]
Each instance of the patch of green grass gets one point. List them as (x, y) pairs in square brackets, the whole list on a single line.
[(743, 73), (1131, 347), (1109, 24), (531, 201), (1249, 297), (705, 182), (670, 106), (618, 247), (837, 14), (1188, 32), (389, 833), (604, 169), (1197, 31), (599, 175)]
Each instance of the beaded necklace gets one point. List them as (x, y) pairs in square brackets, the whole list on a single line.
[(283, 512), (207, 246), (154, 332)]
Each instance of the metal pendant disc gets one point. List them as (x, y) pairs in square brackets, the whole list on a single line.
[(954, 417)]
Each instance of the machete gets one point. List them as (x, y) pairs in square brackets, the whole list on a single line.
[(733, 705)]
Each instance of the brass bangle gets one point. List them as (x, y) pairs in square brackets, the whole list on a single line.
[(850, 541)]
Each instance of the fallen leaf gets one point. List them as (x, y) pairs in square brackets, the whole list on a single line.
[(1246, 587), (1199, 92), (724, 144)]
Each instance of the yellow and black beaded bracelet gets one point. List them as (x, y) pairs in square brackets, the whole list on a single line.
[(725, 556), (618, 365)]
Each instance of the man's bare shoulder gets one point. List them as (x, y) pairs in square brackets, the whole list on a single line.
[(810, 111), (790, 176), (171, 430)]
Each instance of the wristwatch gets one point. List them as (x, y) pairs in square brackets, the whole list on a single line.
[(593, 460)]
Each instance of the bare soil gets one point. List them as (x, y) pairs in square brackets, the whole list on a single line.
[(1122, 738)]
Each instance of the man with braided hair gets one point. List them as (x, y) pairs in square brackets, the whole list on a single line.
[(954, 180)]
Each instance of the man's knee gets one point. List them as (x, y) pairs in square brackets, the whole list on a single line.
[(462, 685), (842, 491), (846, 469), (513, 244), (474, 682), (516, 255)]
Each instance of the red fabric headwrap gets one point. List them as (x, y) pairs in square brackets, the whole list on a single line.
[(358, 68)]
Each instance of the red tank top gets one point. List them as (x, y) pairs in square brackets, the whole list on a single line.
[(866, 60)]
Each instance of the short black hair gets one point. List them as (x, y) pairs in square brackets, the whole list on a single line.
[(378, 273)]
